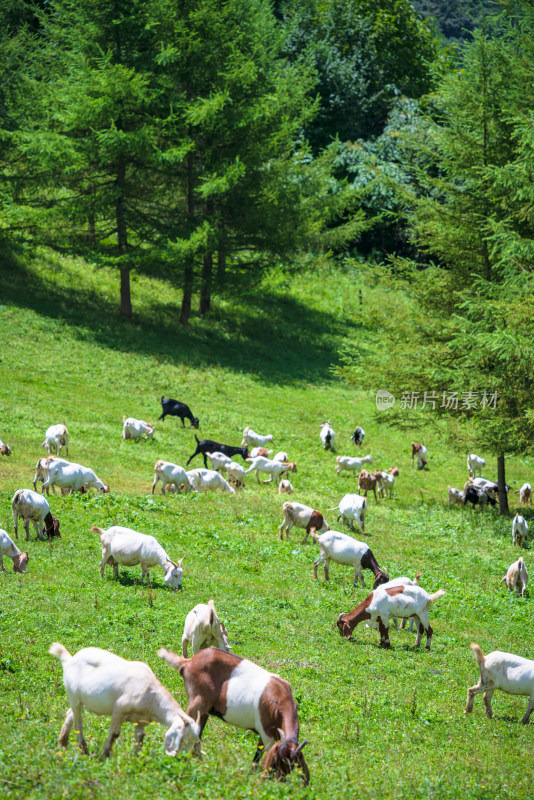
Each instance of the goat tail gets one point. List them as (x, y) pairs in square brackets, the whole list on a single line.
[(437, 595), (416, 579), (16, 497), (94, 529), (56, 649), (211, 606), (173, 659), (479, 655), (314, 534)]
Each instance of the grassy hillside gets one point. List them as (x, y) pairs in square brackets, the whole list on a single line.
[(380, 723)]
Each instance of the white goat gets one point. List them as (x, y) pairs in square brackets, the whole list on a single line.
[(386, 481), (516, 577), (136, 428), (41, 471), (327, 436), (505, 671), (352, 464), (281, 456), (128, 547), (474, 462), (207, 480), (285, 487), (5, 449), (302, 516), (167, 472), (519, 530), (235, 474), (9, 548), (455, 495), (270, 467), (525, 494), (202, 628), (33, 507), (56, 437), (126, 691), (72, 478), (218, 460), (352, 508), (252, 438), (342, 549), (403, 581)]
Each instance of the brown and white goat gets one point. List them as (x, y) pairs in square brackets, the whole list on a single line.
[(396, 601), (420, 451), (9, 548), (245, 695), (5, 450), (302, 516)]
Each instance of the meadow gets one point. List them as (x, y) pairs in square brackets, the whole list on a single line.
[(379, 723)]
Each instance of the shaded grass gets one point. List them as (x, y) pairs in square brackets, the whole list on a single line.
[(380, 723)]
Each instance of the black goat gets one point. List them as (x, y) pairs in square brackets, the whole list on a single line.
[(209, 446), (478, 497), (175, 408)]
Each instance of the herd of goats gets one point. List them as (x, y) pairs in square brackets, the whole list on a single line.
[(218, 682)]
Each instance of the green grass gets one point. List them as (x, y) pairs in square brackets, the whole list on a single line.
[(385, 724)]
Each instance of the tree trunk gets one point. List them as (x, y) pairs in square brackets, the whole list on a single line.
[(205, 286), (185, 311), (221, 267), (501, 483), (122, 238), (126, 298)]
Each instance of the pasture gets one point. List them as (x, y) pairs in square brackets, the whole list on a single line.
[(380, 724)]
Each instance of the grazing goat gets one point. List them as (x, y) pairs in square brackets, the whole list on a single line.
[(136, 428), (455, 495), (56, 437), (167, 472), (396, 601), (285, 487), (72, 478), (367, 481), (516, 577), (301, 516), (351, 464), (327, 436), (209, 446), (252, 438), (202, 628), (245, 695), (474, 462), (352, 508), (174, 408), (273, 468), (357, 436), (235, 474), (343, 549), (281, 456), (420, 451), (260, 451), (126, 691), (41, 471), (525, 494), (386, 481), (33, 506), (128, 547), (207, 480), (218, 460), (5, 450), (505, 671), (478, 497), (9, 548), (519, 530)]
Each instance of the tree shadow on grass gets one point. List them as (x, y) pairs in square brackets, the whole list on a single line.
[(273, 336)]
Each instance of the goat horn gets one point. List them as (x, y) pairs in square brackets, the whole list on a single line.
[(282, 736), (299, 748)]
